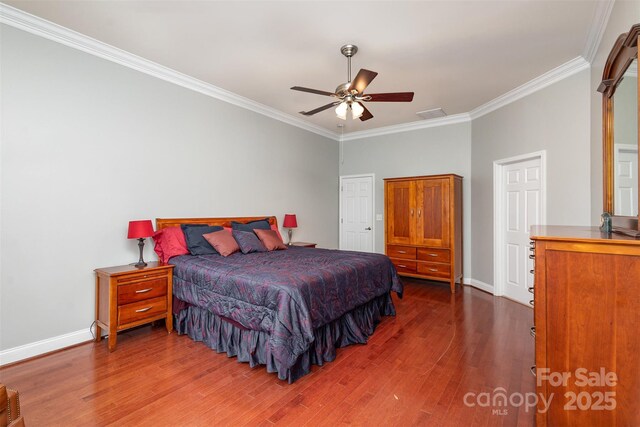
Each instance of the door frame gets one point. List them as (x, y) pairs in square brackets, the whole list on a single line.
[(617, 148), (498, 208), (373, 207)]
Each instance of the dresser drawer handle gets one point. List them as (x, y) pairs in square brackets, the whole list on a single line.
[(533, 370), (142, 310), (142, 291), (530, 289), (402, 266), (433, 254), (532, 331), (433, 269), (402, 252)]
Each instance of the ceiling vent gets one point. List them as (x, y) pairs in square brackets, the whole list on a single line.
[(431, 114)]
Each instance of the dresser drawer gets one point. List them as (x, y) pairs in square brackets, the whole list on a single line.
[(144, 290), (434, 269), (141, 310), (141, 277), (405, 252), (403, 266), (434, 255)]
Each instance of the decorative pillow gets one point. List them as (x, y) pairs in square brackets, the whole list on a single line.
[(248, 242), (270, 239), (223, 242), (275, 228), (170, 242), (197, 244), (262, 224)]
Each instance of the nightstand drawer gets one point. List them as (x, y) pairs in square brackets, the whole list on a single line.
[(403, 266), (434, 255), (434, 269), (144, 290), (141, 310), (406, 252), (141, 277)]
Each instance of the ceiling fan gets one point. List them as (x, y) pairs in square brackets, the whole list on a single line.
[(351, 95)]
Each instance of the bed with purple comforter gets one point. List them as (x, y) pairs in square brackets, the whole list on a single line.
[(285, 309)]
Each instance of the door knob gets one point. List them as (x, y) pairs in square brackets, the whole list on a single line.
[(368, 228)]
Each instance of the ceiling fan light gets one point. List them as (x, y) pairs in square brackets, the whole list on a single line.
[(356, 110), (341, 111)]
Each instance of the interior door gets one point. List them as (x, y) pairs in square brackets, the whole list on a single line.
[(432, 212), (356, 218), (626, 179), (400, 212), (521, 209)]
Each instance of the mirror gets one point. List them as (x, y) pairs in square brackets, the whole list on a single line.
[(625, 144), (619, 89)]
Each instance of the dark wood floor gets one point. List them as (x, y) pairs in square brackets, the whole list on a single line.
[(415, 370)]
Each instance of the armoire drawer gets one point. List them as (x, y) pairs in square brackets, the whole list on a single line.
[(406, 252), (434, 255), (434, 269), (403, 266)]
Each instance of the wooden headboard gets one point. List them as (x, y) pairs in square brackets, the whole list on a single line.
[(225, 222)]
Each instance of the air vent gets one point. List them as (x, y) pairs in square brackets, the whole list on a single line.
[(431, 114)]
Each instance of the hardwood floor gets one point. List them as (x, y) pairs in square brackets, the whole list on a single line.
[(415, 370)]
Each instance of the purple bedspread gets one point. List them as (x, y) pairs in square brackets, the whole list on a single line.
[(287, 293)]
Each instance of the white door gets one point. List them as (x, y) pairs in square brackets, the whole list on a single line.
[(521, 208), (626, 180), (356, 213)]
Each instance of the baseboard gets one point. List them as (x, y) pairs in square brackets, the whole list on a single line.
[(478, 284), (48, 345)]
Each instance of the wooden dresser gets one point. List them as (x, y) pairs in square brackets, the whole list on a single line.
[(586, 314), (423, 226)]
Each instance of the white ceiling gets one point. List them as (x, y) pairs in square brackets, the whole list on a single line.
[(456, 55)]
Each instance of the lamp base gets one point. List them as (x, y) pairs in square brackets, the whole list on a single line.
[(289, 232), (140, 262)]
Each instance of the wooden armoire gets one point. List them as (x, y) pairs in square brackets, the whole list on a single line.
[(423, 226)]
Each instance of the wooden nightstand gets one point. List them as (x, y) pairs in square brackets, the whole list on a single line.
[(127, 296), (304, 244)]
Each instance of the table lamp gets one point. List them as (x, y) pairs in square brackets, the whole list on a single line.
[(139, 230), (290, 222)]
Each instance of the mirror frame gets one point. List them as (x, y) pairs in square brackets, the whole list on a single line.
[(623, 53)]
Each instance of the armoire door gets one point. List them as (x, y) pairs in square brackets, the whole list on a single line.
[(400, 212), (432, 212)]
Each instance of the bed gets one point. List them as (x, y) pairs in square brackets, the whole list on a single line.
[(287, 309)]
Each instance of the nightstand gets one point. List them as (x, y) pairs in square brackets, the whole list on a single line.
[(127, 296), (304, 244)]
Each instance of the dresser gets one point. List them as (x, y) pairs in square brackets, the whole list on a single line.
[(128, 296), (423, 226), (586, 298)]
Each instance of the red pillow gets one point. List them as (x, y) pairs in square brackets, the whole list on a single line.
[(275, 228), (170, 242), (222, 241), (270, 239)]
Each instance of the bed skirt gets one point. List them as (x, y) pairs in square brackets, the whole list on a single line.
[(253, 347)]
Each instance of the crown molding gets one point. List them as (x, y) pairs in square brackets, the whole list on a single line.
[(598, 26), (49, 30), (406, 127), (550, 77)]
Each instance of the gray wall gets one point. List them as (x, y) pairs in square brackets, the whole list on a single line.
[(623, 16), (555, 119), (445, 149), (88, 145)]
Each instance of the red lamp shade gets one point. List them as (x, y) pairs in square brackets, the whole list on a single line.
[(290, 221), (140, 229)]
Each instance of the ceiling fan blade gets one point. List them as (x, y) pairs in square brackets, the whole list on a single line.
[(391, 97), (316, 91), (362, 80), (366, 114), (317, 110)]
